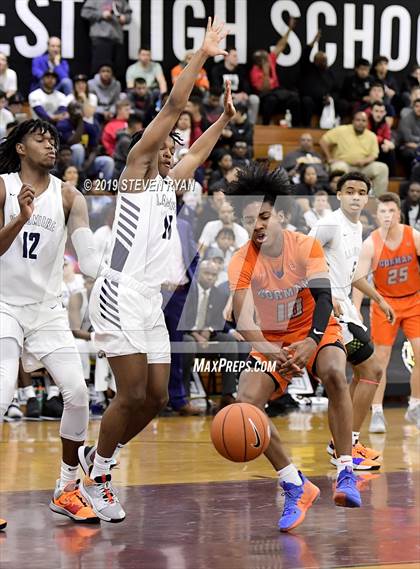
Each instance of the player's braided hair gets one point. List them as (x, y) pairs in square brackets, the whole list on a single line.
[(9, 158)]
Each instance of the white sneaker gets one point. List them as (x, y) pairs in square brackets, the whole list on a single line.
[(413, 415), (377, 423), (14, 411), (102, 498)]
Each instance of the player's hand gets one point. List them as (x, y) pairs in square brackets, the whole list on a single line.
[(229, 108), (338, 311), (26, 201), (387, 310), (280, 356), (215, 33), (299, 353)]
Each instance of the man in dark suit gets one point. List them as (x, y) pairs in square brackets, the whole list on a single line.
[(208, 330)]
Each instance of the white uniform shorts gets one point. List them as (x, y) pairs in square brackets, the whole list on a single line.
[(40, 329), (127, 318)]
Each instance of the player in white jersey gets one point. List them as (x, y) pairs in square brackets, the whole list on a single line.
[(340, 234), (36, 209), (125, 305)]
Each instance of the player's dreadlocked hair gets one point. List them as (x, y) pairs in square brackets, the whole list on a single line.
[(257, 183), (9, 158), (138, 135)]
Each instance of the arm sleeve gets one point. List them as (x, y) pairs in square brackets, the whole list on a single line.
[(321, 291), (87, 255)]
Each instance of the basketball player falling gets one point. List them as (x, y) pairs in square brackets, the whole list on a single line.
[(390, 253), (280, 279), (36, 209), (340, 234), (125, 305)]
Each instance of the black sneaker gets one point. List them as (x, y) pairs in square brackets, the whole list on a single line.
[(32, 409), (52, 409)]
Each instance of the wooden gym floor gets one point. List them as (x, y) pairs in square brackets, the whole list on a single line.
[(188, 508)]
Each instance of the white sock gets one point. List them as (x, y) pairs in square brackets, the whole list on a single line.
[(413, 402), (52, 391), (117, 450), (290, 474), (67, 474), (101, 466), (355, 437), (377, 408), (343, 461)]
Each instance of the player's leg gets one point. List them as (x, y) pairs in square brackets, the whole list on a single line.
[(9, 367), (256, 387), (330, 368), (25, 384), (377, 422), (413, 412)]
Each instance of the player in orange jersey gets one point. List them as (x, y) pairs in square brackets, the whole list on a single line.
[(390, 252), (282, 305)]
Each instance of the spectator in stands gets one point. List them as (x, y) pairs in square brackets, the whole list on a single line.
[(108, 90), (409, 137), (410, 207), (52, 61), (240, 154), (224, 166), (230, 69), (83, 138), (150, 71), (107, 20), (368, 224), (81, 93), (195, 108), (307, 187), (212, 107), (265, 82), (377, 94), (134, 124), (377, 123), (355, 89), (16, 107), (109, 133), (414, 94), (225, 241), (46, 102), (381, 74), (202, 81), (64, 159), (8, 77), (226, 220), (354, 147), (140, 98), (317, 83), (411, 82), (320, 208), (71, 175), (210, 212), (239, 128), (209, 325), (6, 116), (189, 135), (305, 154), (334, 176)]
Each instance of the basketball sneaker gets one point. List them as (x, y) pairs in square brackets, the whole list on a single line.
[(32, 408), (413, 415), (346, 493), (377, 423), (358, 448), (360, 462), (102, 497), (86, 456), (3, 524), (14, 411), (298, 500), (69, 502)]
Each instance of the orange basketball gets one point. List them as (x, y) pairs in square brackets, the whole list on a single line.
[(240, 432)]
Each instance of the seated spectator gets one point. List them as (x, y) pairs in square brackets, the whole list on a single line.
[(210, 211), (320, 208), (64, 159), (201, 82), (410, 207), (230, 69), (414, 94), (224, 165), (212, 107), (134, 124), (334, 176), (192, 198), (8, 77), (71, 175), (377, 94), (16, 107), (240, 153), (239, 128), (377, 123), (226, 220), (307, 187), (354, 147), (108, 91), (409, 137), (195, 107), (411, 82), (150, 71), (83, 138), (6, 116), (140, 97), (265, 82), (305, 154), (317, 82), (216, 256), (405, 184), (46, 102), (81, 94), (355, 89), (184, 128), (381, 74), (109, 133), (52, 61)]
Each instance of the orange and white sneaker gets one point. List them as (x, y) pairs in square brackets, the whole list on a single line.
[(69, 502), (360, 462), (3, 524), (367, 452)]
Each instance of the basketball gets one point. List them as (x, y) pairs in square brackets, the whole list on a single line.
[(240, 432)]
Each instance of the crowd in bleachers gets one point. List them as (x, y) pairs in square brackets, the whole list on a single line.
[(373, 126)]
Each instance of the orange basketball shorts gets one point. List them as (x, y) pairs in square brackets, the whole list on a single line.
[(407, 312)]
